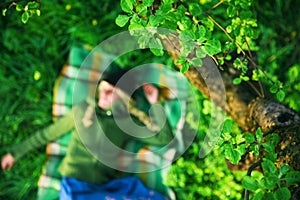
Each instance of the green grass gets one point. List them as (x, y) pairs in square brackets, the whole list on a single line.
[(31, 57)]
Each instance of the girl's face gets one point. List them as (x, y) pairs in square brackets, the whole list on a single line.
[(107, 95)]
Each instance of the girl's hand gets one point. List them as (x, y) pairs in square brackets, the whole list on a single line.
[(151, 93), (7, 161)]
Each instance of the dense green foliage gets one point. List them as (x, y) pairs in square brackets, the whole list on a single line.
[(222, 29), (32, 55)]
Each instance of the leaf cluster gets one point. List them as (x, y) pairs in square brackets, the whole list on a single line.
[(275, 183)]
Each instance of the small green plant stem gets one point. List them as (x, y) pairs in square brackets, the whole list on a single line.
[(216, 5), (256, 67), (251, 168), (9, 4)]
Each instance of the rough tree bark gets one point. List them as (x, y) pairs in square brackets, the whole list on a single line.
[(245, 106)]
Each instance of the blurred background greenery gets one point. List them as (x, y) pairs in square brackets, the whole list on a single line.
[(32, 55)]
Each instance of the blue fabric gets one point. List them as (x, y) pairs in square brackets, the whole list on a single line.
[(129, 188)]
